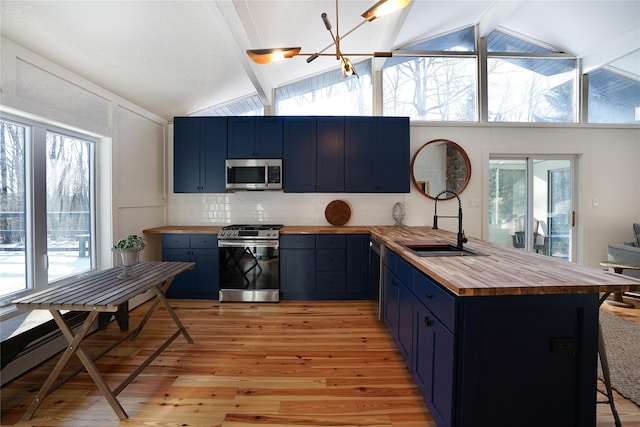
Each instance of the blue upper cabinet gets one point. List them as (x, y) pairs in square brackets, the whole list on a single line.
[(377, 156), (299, 155), (254, 137), (199, 150)]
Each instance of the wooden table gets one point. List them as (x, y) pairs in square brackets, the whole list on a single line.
[(618, 268), (98, 293)]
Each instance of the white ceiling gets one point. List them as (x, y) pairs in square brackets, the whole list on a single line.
[(179, 57)]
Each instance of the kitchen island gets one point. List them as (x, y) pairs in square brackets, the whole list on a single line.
[(501, 339)]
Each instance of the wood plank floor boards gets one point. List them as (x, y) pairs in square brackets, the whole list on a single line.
[(287, 364)]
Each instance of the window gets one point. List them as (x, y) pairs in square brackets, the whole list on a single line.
[(528, 83), (434, 87), (46, 207), (328, 94), (614, 96)]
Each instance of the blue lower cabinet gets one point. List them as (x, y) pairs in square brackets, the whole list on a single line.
[(203, 281), (324, 267)]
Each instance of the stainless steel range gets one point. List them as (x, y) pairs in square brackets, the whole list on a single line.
[(249, 263)]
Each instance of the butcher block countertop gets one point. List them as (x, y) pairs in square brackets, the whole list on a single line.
[(501, 271)]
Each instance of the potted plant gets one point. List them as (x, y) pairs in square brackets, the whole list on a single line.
[(128, 250)]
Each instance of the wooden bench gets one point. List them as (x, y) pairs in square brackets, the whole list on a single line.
[(103, 292)]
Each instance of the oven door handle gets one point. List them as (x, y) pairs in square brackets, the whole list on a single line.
[(245, 243)]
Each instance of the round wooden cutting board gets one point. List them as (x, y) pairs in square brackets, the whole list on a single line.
[(338, 212)]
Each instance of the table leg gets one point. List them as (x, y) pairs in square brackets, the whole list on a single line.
[(75, 342), (160, 298)]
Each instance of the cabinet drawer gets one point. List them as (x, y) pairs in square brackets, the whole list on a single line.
[(330, 241), (204, 241), (330, 260), (297, 241), (330, 282), (179, 241), (435, 298)]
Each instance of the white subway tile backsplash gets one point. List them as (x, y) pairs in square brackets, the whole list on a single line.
[(277, 207)]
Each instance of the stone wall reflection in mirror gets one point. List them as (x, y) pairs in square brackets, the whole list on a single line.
[(440, 165)]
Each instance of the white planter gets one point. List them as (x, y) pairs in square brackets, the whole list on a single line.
[(127, 258)]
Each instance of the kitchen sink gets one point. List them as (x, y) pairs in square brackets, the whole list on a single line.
[(437, 249)]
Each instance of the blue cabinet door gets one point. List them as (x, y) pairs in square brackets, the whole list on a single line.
[(360, 155), (330, 155), (299, 154), (405, 323), (390, 306), (433, 364), (199, 150), (358, 283), (377, 157), (394, 156), (241, 140), (254, 137), (269, 137), (186, 155), (297, 274), (206, 283), (182, 282), (212, 154)]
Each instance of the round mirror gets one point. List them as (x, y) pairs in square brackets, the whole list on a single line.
[(440, 165)]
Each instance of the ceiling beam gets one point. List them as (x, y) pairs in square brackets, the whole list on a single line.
[(226, 16), (495, 14), (612, 49), (389, 36)]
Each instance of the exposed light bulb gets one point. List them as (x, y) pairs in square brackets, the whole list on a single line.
[(347, 68), (384, 7)]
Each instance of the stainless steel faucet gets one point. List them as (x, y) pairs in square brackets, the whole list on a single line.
[(461, 237)]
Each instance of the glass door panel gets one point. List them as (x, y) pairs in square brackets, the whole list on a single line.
[(507, 201), (531, 205), (13, 208), (69, 224)]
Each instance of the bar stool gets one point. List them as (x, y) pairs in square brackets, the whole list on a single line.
[(602, 353)]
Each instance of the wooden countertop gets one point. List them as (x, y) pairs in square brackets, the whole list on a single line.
[(503, 271)]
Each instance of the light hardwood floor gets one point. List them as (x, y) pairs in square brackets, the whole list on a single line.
[(286, 364)]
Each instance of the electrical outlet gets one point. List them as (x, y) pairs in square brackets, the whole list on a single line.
[(316, 210), (474, 203), (595, 203)]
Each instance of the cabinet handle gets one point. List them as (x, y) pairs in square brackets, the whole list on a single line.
[(427, 321), (394, 283), (428, 296)]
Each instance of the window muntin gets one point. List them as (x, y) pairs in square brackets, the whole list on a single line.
[(50, 199), (614, 97), (328, 94)]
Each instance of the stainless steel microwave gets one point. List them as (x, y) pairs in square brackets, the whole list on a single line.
[(254, 174)]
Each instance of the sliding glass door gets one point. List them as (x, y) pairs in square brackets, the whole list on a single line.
[(531, 204)]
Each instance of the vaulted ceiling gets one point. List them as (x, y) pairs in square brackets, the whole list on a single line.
[(180, 57)]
